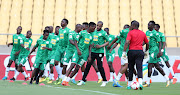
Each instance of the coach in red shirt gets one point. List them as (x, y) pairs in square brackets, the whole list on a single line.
[(135, 39)]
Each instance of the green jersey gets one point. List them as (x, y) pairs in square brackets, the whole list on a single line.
[(42, 54), (64, 37), (99, 38), (72, 36), (122, 38), (17, 39), (110, 39), (85, 39), (162, 38), (153, 38), (54, 39), (27, 44)]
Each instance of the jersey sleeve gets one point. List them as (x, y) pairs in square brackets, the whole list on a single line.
[(70, 36), (37, 43), (119, 40), (106, 36), (157, 36), (163, 39)]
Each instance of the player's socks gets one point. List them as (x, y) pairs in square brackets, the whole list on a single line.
[(51, 75), (111, 77), (82, 73), (59, 71), (129, 83), (25, 75), (140, 81), (16, 74), (114, 74), (6, 73), (74, 76), (119, 76), (167, 80), (171, 70)]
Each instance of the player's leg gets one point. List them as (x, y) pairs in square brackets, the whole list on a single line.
[(112, 71), (123, 69), (8, 67), (51, 74), (97, 72), (41, 72)]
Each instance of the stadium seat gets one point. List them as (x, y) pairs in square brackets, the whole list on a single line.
[(4, 19), (14, 17), (37, 19), (103, 12), (169, 23), (70, 13), (177, 19), (136, 11), (92, 11), (114, 17), (146, 14), (26, 15), (158, 13), (48, 13), (59, 12), (124, 13), (81, 11)]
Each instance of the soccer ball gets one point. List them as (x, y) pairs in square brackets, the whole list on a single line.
[(135, 85)]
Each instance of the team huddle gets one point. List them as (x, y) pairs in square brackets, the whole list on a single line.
[(85, 44)]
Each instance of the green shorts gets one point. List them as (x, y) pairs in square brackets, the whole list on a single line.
[(164, 57), (13, 57), (80, 60), (110, 57), (67, 56), (153, 52), (59, 55), (40, 63), (51, 57), (22, 59)]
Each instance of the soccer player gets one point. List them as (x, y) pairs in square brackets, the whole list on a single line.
[(83, 52), (43, 45), (110, 56), (100, 40), (15, 51), (154, 53), (62, 45), (164, 55), (23, 55)]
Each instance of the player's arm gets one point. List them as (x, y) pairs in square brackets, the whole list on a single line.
[(79, 52), (109, 46), (49, 47), (71, 38), (163, 42), (106, 43), (114, 46), (9, 44), (90, 47)]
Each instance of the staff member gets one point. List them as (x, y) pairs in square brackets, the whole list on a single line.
[(135, 39)]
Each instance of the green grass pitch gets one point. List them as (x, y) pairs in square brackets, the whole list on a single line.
[(91, 88)]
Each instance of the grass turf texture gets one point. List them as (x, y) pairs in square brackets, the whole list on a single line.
[(91, 88)]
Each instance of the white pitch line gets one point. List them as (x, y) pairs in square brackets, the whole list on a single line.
[(85, 90)]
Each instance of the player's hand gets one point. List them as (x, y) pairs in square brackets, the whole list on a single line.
[(98, 46), (43, 48), (89, 59), (110, 50), (8, 44), (28, 48), (16, 53), (108, 47), (159, 54), (79, 53), (146, 54), (124, 55)]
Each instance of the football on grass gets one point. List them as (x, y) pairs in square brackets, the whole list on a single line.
[(135, 85)]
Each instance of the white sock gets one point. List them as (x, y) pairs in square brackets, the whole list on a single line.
[(46, 73), (25, 75), (16, 74), (111, 75), (74, 76), (99, 75), (114, 74), (7, 71), (140, 80), (15, 71), (65, 78), (59, 71), (171, 70), (51, 75), (148, 80), (62, 76), (119, 76), (129, 83), (82, 73), (68, 79), (166, 77), (152, 71)]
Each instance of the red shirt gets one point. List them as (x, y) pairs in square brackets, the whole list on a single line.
[(136, 37)]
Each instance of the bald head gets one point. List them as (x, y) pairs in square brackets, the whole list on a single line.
[(99, 25), (78, 28), (50, 29), (135, 24)]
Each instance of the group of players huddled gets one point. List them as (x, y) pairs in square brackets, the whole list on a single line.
[(85, 44)]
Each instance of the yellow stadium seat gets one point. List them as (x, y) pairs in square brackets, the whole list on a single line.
[(158, 13), (169, 23), (26, 16), (37, 19), (59, 12), (177, 19), (48, 13), (92, 11), (4, 19), (81, 11), (15, 17), (136, 11), (103, 12), (146, 14), (114, 17), (124, 13), (70, 13)]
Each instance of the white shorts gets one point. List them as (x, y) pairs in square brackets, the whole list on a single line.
[(123, 61)]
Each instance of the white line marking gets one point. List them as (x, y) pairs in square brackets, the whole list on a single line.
[(84, 90)]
